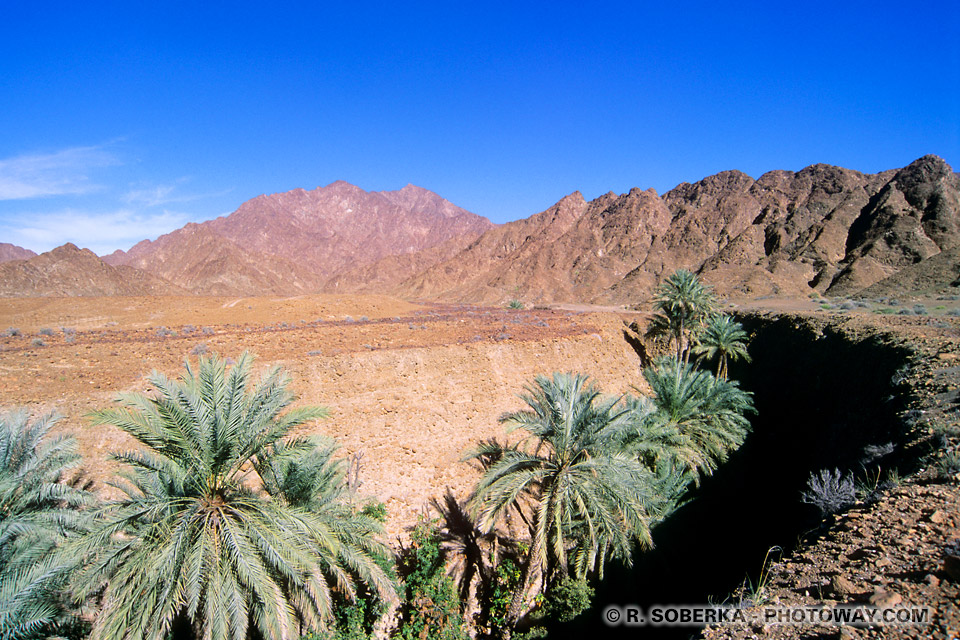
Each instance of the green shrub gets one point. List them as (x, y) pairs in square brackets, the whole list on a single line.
[(431, 608), (567, 598), (515, 304)]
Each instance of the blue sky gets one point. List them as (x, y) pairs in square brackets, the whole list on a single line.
[(121, 122)]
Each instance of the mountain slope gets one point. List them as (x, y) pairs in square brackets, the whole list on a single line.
[(69, 271), (295, 241)]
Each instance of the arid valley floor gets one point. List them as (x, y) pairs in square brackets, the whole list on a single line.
[(410, 387)]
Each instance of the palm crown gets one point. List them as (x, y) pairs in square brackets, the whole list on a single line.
[(206, 541)]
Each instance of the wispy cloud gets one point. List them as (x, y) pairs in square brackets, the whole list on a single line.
[(64, 172), (101, 232), (166, 194)]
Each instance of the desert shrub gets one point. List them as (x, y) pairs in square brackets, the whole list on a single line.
[(200, 349), (364, 319), (315, 352), (348, 319), (12, 332), (46, 332), (920, 310), (188, 329), (873, 453), (846, 306), (515, 304), (905, 312), (830, 491), (68, 331), (207, 331), (953, 312), (38, 342), (163, 332), (376, 510), (947, 466)]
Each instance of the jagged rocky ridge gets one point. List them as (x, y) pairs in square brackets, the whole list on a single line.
[(825, 229)]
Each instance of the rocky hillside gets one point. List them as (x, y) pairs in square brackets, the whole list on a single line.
[(69, 271), (10, 252), (295, 241), (823, 229)]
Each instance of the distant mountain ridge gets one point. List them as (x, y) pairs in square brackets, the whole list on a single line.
[(10, 252), (70, 271), (823, 229)]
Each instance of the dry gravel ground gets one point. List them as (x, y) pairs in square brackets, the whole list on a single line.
[(410, 387)]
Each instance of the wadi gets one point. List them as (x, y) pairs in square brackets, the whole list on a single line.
[(376, 414)]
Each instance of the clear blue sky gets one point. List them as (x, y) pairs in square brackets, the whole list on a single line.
[(121, 121)]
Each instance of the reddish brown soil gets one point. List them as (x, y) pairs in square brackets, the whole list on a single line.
[(410, 387)]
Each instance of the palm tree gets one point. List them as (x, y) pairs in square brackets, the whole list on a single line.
[(582, 498), (682, 304), (694, 419), (723, 338), (218, 535), (39, 511)]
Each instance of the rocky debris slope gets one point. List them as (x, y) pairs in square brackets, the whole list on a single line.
[(293, 242), (824, 229), (70, 271), (900, 548)]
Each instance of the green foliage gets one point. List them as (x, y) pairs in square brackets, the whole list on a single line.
[(505, 583), (431, 607), (376, 510), (682, 305), (693, 421), (515, 304), (39, 512), (567, 598), (582, 497), (723, 338), (228, 526)]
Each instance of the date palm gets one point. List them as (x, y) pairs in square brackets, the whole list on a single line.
[(39, 511), (577, 491), (723, 338), (694, 418), (211, 539), (682, 305)]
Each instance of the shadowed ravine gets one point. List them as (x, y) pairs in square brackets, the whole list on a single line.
[(821, 396)]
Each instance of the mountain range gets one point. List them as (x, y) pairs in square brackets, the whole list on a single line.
[(826, 229)]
